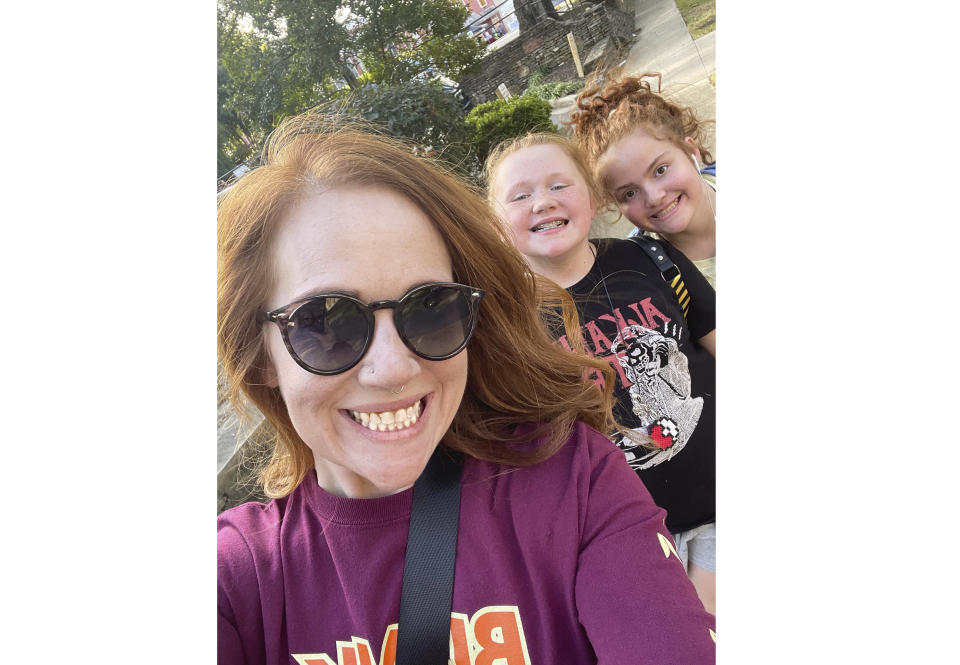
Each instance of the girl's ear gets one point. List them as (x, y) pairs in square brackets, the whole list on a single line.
[(694, 148)]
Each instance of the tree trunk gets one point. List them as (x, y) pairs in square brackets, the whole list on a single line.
[(531, 12), (550, 10)]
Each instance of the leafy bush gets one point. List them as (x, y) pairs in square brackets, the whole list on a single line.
[(492, 122), (420, 111), (555, 90), (539, 73)]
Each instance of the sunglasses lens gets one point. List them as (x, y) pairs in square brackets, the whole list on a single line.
[(437, 320), (328, 334)]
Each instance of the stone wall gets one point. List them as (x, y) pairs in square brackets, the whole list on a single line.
[(545, 46)]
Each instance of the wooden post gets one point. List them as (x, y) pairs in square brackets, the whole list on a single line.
[(576, 56)]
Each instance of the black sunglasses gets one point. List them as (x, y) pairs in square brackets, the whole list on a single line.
[(330, 332)]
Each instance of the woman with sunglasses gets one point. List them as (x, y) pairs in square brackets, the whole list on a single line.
[(372, 308)]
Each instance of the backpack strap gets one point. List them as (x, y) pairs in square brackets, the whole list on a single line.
[(668, 269), (423, 636)]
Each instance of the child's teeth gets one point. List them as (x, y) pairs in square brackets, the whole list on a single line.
[(549, 225), (664, 212)]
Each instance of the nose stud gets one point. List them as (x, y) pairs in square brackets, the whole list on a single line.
[(397, 392)]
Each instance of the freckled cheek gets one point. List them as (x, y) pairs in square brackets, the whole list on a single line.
[(517, 223)]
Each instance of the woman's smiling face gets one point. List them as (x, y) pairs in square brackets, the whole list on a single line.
[(654, 182), (374, 244)]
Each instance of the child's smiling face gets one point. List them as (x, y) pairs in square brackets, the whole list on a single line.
[(544, 199), (655, 183)]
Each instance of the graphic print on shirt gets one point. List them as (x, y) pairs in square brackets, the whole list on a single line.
[(651, 368), (493, 635), (659, 394)]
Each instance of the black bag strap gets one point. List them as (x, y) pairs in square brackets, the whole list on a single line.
[(423, 636), (668, 269)]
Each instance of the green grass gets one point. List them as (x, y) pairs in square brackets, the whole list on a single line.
[(699, 15)]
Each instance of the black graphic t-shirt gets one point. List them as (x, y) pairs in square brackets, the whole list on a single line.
[(665, 381)]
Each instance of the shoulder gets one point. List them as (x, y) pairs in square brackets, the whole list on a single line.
[(608, 246), (594, 475), (586, 443), (603, 465), (582, 484), (249, 571), (633, 247), (586, 454), (253, 520), (247, 536), (583, 450), (618, 252)]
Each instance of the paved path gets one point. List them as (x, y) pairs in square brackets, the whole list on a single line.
[(663, 44)]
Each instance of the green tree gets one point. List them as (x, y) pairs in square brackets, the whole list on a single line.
[(420, 111), (252, 89), (280, 57), (401, 40)]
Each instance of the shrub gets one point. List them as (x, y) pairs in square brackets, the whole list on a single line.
[(554, 90), (492, 122), (420, 111), (540, 72)]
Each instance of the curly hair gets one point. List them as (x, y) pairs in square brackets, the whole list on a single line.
[(545, 384), (607, 114)]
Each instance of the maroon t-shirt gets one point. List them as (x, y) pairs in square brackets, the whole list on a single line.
[(565, 561)]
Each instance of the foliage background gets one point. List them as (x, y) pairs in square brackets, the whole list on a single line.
[(421, 111), (277, 58), (492, 122)]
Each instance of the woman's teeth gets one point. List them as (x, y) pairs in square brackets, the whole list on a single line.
[(388, 421), (666, 211), (549, 225)]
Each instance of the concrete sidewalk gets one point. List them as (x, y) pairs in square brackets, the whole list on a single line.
[(663, 44)]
